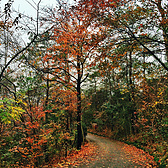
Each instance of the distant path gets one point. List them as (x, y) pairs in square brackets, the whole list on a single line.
[(111, 154)]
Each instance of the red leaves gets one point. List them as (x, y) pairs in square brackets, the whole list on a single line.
[(30, 140), (31, 145), (139, 156), (66, 97), (84, 156)]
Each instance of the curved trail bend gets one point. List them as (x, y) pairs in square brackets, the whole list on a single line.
[(111, 154)]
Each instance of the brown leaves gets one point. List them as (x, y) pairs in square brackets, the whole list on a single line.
[(84, 156), (139, 156)]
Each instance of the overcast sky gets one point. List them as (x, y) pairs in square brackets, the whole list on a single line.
[(26, 6)]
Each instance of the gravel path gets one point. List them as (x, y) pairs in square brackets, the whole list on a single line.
[(102, 152), (111, 154)]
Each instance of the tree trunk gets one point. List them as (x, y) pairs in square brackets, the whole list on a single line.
[(131, 89), (79, 130), (47, 99)]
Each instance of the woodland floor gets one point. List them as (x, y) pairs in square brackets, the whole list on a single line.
[(102, 152)]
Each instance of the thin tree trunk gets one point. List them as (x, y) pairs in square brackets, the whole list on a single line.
[(79, 131), (132, 96)]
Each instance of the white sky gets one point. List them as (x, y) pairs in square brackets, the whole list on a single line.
[(24, 6)]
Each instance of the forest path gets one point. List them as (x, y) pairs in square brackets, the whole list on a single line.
[(114, 154), (111, 154), (103, 152)]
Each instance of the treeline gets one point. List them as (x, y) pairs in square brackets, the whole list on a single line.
[(137, 116)]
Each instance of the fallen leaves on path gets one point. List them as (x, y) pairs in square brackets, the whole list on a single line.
[(86, 155), (107, 154), (139, 156)]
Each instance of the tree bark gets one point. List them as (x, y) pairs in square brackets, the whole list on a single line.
[(79, 130)]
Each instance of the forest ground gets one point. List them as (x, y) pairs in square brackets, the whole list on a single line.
[(102, 152)]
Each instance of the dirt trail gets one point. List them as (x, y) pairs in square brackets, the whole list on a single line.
[(111, 154), (102, 152)]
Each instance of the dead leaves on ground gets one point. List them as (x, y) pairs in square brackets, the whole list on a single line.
[(139, 157), (85, 156), (89, 152)]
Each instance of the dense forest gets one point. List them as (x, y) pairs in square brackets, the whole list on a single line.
[(87, 65)]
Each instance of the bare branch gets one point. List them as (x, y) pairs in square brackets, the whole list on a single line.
[(18, 53)]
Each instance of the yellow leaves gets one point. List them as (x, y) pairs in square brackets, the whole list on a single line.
[(9, 110)]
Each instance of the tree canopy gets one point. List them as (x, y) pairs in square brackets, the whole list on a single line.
[(83, 64)]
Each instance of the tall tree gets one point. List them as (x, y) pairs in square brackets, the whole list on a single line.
[(72, 53)]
